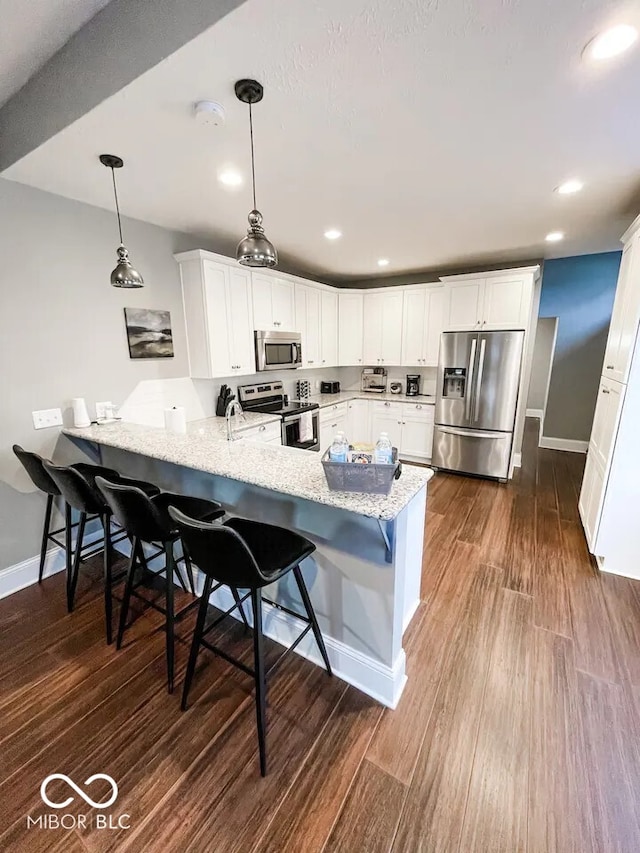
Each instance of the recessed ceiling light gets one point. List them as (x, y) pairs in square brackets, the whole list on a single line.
[(333, 234), (568, 187), (554, 237), (231, 178), (383, 262), (611, 42)]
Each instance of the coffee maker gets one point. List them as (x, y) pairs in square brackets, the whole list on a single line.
[(413, 384)]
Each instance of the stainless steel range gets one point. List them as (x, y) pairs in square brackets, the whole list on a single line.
[(300, 421)]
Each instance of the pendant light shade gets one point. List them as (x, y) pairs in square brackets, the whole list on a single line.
[(124, 275), (254, 250)]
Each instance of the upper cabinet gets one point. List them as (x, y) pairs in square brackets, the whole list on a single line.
[(422, 325), (626, 315), (218, 316), (382, 339), (493, 302), (350, 329), (329, 328), (273, 303), (307, 322)]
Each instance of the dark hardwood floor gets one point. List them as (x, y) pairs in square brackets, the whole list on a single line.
[(519, 728)]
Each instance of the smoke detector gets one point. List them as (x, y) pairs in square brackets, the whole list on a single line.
[(209, 113)]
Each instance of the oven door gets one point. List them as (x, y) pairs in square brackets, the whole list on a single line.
[(278, 350), (302, 430)]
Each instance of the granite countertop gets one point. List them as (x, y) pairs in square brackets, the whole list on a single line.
[(325, 400), (281, 469)]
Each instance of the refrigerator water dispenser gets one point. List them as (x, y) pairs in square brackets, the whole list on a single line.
[(455, 380)]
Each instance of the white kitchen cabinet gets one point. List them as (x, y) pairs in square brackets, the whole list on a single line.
[(333, 419), (487, 303), (606, 418), (626, 315), (218, 316), (591, 497), (307, 322), (383, 327), (359, 421), (329, 328), (264, 433), (387, 417), (350, 329), (417, 430), (423, 322), (273, 303)]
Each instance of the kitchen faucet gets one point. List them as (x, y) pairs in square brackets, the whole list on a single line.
[(233, 407)]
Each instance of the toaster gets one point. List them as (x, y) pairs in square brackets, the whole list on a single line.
[(329, 387)]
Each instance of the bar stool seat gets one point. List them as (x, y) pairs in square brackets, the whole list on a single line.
[(250, 555)]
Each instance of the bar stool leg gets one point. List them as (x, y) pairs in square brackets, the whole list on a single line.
[(236, 598), (126, 598), (189, 568), (68, 551), (258, 656), (108, 600), (304, 594), (170, 566), (76, 562), (45, 536), (195, 643)]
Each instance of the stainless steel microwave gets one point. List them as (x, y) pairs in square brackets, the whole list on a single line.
[(278, 350)]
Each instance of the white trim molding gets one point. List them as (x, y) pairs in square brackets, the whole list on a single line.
[(570, 444), (24, 574), (535, 413)]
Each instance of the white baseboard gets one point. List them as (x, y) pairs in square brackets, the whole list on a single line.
[(517, 460), (408, 616), (570, 444), (535, 413)]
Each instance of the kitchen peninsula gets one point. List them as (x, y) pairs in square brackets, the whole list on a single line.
[(364, 578)]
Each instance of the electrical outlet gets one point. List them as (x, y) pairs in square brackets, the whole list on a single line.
[(101, 409), (46, 418)]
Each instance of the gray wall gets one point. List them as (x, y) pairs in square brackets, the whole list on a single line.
[(542, 359), (62, 330)]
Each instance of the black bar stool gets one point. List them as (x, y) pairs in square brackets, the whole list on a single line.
[(79, 491), (34, 466), (146, 519), (250, 555)]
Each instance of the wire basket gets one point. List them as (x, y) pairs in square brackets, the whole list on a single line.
[(370, 479)]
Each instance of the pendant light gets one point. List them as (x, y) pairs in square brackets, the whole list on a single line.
[(124, 275), (254, 250)]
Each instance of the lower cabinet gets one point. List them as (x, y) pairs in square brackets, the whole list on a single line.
[(387, 417), (333, 419), (358, 421), (417, 430), (266, 433), (591, 498)]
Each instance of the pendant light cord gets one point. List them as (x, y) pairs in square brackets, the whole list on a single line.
[(253, 165), (115, 192)]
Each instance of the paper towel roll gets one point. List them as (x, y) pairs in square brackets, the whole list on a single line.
[(80, 414), (175, 419)]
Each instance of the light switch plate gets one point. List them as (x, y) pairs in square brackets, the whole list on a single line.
[(46, 418)]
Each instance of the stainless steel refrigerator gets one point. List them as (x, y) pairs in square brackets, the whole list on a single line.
[(476, 398)]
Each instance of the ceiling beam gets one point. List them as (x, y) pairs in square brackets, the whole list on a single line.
[(120, 43)]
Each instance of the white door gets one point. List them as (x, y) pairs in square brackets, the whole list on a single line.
[(262, 302), (358, 422), (216, 277), (329, 328), (606, 419), (283, 304), (507, 303), (417, 437), (413, 327), (391, 346), (626, 315), (434, 326), (350, 328), (241, 339), (465, 304), (372, 336)]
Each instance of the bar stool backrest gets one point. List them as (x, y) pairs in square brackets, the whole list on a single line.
[(34, 466), (75, 488), (133, 510), (218, 551)]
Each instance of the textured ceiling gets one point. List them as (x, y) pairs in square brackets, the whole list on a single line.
[(32, 31), (431, 133)]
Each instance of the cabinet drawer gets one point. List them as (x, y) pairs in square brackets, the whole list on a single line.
[(264, 432), (333, 411), (383, 407), (418, 411)]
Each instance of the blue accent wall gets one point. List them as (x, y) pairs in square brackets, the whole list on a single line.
[(580, 292)]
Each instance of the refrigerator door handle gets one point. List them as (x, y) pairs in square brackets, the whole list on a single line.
[(472, 433), (476, 396), (472, 361)]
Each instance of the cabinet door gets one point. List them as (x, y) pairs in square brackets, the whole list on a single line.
[(283, 306), (391, 344), (329, 328), (417, 437), (329, 426), (262, 304), (436, 301), (307, 301), (372, 336), (387, 417), (358, 422), (465, 303), (414, 327), (216, 277), (350, 328), (507, 303), (241, 338), (625, 317), (591, 498), (606, 419)]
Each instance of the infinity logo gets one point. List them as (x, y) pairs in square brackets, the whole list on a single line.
[(79, 791)]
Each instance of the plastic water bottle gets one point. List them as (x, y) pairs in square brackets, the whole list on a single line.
[(338, 449), (384, 450)]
